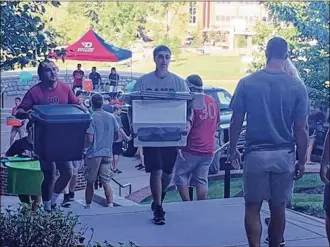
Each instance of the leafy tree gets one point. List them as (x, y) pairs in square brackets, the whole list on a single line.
[(23, 34), (305, 25)]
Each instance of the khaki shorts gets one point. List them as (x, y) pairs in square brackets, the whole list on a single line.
[(98, 166), (269, 176)]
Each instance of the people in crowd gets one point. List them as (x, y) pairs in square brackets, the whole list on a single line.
[(23, 148), (47, 92), (118, 99), (113, 80), (16, 129), (78, 77), (98, 159), (117, 146), (276, 108), (159, 161), (194, 160), (96, 79), (325, 177), (315, 123)]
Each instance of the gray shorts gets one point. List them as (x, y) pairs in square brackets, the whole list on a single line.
[(196, 166), (326, 202), (269, 175), (76, 165)]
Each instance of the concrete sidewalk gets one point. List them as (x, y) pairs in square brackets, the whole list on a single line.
[(200, 223)]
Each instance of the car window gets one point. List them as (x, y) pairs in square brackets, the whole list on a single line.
[(223, 98)]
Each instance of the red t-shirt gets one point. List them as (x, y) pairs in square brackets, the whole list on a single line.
[(37, 95), (78, 76), (201, 139)]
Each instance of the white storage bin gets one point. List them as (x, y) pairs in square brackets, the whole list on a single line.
[(159, 123)]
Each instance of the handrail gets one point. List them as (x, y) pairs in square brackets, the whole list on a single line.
[(123, 186), (98, 184), (2, 96)]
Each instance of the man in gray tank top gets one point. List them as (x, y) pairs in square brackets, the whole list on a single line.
[(276, 106)]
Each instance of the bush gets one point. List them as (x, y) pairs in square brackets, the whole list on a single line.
[(24, 228)]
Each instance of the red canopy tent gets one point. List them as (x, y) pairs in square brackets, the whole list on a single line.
[(91, 47)]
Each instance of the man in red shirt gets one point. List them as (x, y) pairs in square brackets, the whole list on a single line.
[(194, 160), (49, 91), (16, 129), (78, 76)]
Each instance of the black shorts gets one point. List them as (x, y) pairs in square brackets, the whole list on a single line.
[(160, 158), (117, 148)]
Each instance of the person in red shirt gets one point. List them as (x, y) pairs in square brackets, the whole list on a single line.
[(16, 129), (78, 76), (194, 160), (118, 100), (49, 91)]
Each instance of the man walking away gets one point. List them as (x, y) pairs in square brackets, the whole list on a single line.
[(102, 132), (195, 159), (117, 146), (276, 105), (325, 177), (159, 161)]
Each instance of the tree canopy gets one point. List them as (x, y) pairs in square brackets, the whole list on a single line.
[(23, 34), (305, 25)]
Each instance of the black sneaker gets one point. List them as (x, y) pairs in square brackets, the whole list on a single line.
[(138, 166), (141, 168), (71, 196), (281, 244), (159, 216), (66, 203), (153, 205)]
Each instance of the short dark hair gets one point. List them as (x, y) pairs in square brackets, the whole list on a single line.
[(97, 101), (113, 68), (277, 48), (79, 64), (41, 68), (18, 98), (195, 80), (160, 48)]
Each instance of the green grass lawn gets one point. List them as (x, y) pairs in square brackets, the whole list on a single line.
[(219, 71), (307, 197)]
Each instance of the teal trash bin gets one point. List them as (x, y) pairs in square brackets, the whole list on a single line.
[(24, 177)]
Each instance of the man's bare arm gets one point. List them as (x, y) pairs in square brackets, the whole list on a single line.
[(301, 134), (235, 128)]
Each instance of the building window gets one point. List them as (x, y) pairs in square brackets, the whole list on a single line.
[(192, 13)]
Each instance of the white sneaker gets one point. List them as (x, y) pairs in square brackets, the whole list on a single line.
[(87, 206), (110, 205)]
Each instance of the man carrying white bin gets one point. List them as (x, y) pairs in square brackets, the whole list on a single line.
[(159, 161)]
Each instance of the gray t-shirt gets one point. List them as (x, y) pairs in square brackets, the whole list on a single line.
[(120, 124), (103, 128), (171, 83), (272, 101)]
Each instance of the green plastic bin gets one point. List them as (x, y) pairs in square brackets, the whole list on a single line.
[(24, 177)]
